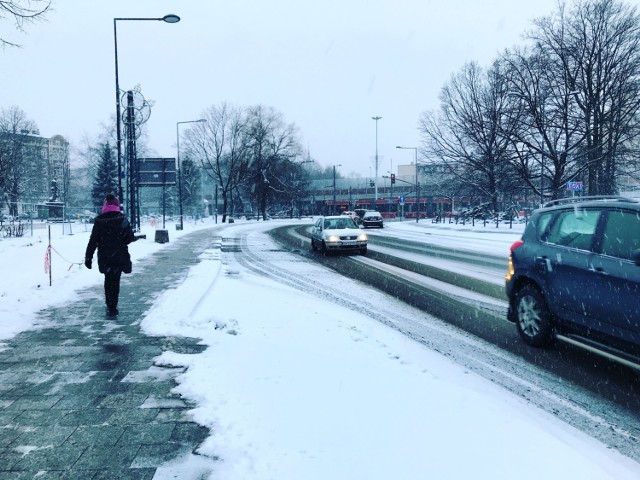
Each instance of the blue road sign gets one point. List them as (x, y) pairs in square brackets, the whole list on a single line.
[(574, 186)]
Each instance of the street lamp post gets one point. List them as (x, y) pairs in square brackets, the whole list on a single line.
[(375, 199), (415, 150), (202, 120), (170, 18), (334, 187)]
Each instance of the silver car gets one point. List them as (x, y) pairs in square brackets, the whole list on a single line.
[(338, 234)]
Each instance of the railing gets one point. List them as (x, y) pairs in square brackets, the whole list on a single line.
[(11, 229)]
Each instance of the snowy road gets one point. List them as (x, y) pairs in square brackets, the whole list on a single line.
[(557, 381)]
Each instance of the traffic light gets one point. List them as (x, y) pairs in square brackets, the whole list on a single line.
[(393, 178)]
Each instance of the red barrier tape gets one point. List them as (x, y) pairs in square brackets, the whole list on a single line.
[(47, 260)]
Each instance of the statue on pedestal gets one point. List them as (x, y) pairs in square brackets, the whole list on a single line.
[(54, 191), (54, 205)]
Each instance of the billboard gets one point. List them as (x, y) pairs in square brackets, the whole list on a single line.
[(156, 172)]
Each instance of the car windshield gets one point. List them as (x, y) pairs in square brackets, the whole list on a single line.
[(339, 223)]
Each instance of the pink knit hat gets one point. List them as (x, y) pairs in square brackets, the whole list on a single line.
[(111, 204)]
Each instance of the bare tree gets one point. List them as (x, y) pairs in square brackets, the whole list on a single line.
[(594, 60), (544, 119), (465, 136), (273, 144), (221, 145), (20, 13)]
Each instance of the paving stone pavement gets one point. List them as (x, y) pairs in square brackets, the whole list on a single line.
[(80, 397)]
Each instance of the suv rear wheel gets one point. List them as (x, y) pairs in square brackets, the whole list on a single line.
[(533, 318)]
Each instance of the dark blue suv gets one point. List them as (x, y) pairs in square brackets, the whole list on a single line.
[(575, 275)]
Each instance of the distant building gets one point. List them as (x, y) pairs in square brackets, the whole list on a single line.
[(46, 162)]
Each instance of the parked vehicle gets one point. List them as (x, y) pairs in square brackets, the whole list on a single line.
[(338, 234), (359, 214), (575, 273), (350, 214), (372, 219)]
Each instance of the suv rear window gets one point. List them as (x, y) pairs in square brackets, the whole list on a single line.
[(572, 228), (621, 234)]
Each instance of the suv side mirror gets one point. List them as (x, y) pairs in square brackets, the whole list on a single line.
[(635, 256)]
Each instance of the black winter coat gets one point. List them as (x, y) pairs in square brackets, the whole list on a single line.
[(111, 234)]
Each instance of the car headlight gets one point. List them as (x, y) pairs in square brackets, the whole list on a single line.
[(362, 237), (333, 238)]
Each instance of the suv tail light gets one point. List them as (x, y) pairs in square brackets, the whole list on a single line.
[(515, 245), (510, 269)]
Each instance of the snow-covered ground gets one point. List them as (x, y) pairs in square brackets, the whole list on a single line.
[(294, 387)]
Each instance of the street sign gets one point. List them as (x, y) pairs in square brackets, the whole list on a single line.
[(156, 172), (574, 186), (401, 200)]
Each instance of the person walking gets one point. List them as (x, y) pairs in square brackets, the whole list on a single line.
[(111, 234)]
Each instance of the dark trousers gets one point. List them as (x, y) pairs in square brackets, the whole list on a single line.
[(112, 289)]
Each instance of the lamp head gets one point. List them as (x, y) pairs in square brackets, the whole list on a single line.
[(171, 18)]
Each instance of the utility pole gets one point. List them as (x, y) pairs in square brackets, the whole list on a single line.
[(376, 118), (334, 188), (415, 150), (133, 163)]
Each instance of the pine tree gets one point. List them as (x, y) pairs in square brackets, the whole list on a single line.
[(106, 179)]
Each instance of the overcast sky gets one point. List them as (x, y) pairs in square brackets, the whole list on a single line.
[(327, 66)]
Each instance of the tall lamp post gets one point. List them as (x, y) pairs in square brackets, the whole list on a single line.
[(202, 120), (334, 187), (170, 18), (415, 150), (375, 199)]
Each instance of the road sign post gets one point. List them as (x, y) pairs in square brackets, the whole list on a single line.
[(575, 186)]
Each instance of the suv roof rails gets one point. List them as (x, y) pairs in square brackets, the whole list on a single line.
[(588, 198)]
